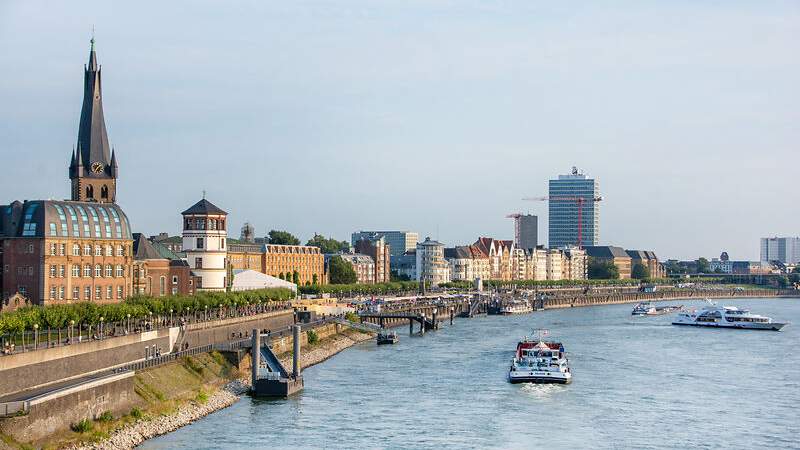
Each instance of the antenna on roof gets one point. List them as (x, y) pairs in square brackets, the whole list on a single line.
[(204, 194)]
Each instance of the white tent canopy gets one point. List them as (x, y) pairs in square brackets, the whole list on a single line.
[(248, 280)]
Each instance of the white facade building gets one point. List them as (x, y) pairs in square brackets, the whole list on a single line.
[(431, 265), (204, 235)]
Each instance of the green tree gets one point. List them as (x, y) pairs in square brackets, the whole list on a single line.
[(282, 238), (796, 269), (640, 272), (703, 266), (602, 270), (341, 272), (328, 245), (296, 277), (314, 279)]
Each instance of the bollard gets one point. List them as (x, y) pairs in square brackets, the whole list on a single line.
[(422, 329), (451, 315), (255, 355), (410, 326), (296, 351)]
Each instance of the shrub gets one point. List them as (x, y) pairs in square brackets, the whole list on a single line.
[(106, 416), (136, 413), (83, 426), (352, 317), (313, 337), (202, 397)]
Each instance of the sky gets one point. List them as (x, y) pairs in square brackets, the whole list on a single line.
[(436, 116)]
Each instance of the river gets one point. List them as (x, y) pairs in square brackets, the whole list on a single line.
[(639, 382)]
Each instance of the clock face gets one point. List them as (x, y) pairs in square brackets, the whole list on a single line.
[(97, 167)]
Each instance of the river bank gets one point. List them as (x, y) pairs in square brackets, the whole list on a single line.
[(132, 434)]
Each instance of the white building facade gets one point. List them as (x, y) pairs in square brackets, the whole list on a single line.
[(432, 268), (204, 241)]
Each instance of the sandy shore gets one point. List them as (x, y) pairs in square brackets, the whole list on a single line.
[(136, 433)]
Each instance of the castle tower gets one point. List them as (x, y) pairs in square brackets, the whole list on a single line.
[(93, 168), (204, 236)]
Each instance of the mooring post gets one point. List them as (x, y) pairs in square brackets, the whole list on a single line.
[(435, 310), (452, 311), (410, 326), (255, 355), (296, 351), (422, 330)]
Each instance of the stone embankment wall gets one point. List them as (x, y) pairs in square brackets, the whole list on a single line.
[(631, 297), (200, 334)]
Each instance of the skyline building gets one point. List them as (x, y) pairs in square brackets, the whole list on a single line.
[(399, 241), (526, 231), (783, 249), (566, 194)]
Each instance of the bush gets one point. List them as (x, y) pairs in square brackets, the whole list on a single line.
[(352, 317), (193, 365), (202, 397), (313, 337), (105, 417), (83, 426), (136, 413)]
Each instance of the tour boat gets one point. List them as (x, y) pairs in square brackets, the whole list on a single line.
[(647, 309), (386, 337), (516, 308), (539, 361), (727, 317)]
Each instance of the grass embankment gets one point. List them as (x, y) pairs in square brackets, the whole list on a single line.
[(159, 392)]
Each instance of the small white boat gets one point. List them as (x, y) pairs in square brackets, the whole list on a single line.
[(727, 317), (516, 308), (539, 361), (648, 309)]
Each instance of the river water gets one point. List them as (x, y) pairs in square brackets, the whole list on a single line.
[(638, 383)]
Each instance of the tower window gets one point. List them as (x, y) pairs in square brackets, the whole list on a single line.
[(200, 242), (89, 191), (104, 192), (198, 263)]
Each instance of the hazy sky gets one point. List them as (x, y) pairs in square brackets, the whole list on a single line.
[(430, 115)]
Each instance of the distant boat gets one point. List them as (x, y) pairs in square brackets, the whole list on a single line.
[(539, 361), (727, 317), (516, 308), (648, 309), (386, 337)]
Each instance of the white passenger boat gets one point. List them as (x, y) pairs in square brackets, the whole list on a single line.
[(648, 309), (516, 308), (539, 361), (716, 316)]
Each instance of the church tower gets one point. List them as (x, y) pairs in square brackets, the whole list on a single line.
[(93, 169)]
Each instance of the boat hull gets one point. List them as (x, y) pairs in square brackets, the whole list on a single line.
[(538, 379), (749, 326)]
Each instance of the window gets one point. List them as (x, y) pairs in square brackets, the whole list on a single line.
[(62, 249), (109, 292), (52, 292), (61, 293), (223, 243), (76, 232), (98, 271), (120, 272), (109, 271), (76, 293), (98, 250), (30, 248), (76, 250), (87, 293), (53, 231), (87, 271), (109, 250), (98, 293), (198, 263), (87, 250), (76, 271), (174, 291), (200, 242), (174, 279), (52, 271), (23, 290), (162, 286), (120, 250), (52, 249), (120, 292), (61, 270)]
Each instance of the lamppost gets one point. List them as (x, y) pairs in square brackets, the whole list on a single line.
[(71, 330), (206, 313), (170, 317), (101, 326), (150, 319), (35, 336), (128, 325)]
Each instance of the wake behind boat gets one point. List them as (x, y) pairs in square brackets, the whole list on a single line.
[(539, 361), (727, 317), (648, 309)]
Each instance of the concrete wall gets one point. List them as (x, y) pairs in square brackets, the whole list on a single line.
[(197, 335), (27, 370), (62, 410)]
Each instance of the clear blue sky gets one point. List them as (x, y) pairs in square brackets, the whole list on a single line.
[(433, 116)]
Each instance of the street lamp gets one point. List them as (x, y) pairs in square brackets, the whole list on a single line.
[(71, 330), (128, 324), (206, 313), (101, 326), (35, 336), (170, 317)]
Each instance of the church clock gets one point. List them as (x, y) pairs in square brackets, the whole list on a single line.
[(97, 167)]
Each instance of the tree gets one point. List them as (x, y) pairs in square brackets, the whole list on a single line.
[(640, 272), (314, 279), (702, 265), (796, 269), (328, 245), (340, 271), (282, 238), (794, 277), (602, 270), (296, 277)]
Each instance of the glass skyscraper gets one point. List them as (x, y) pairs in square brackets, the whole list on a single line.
[(563, 208)]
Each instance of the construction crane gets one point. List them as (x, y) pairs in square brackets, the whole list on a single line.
[(517, 230), (578, 200)]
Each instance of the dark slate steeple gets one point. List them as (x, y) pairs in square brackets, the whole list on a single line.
[(93, 147)]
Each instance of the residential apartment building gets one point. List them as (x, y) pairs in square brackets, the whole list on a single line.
[(159, 272), (500, 254), (783, 249), (526, 231), (363, 265), (467, 263), (564, 193), (431, 267), (649, 260), (280, 261), (615, 255), (380, 252), (576, 264)]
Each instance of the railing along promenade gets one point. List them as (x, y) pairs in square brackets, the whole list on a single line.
[(80, 333)]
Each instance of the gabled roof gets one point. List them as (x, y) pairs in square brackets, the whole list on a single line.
[(605, 251), (144, 249), (203, 207)]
